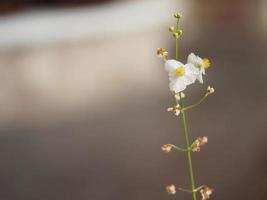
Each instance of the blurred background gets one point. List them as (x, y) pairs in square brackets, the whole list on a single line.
[(83, 99)]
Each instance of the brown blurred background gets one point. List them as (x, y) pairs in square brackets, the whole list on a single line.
[(83, 99)]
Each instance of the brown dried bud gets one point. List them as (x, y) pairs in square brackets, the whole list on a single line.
[(171, 189)]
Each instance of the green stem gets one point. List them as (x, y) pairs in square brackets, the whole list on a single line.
[(186, 131), (191, 174), (196, 104), (199, 188), (177, 42), (178, 148), (185, 190)]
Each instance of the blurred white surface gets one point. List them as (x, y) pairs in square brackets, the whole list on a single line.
[(49, 26), (58, 63)]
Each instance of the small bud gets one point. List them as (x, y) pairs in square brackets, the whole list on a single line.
[(178, 96), (210, 90), (166, 148), (170, 109), (206, 192), (177, 112), (201, 141), (177, 15), (180, 32), (204, 140), (171, 189), (174, 109), (176, 35), (162, 53), (171, 29)]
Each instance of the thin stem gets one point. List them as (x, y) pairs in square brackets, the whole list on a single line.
[(199, 188), (190, 165), (185, 190), (178, 148), (196, 104), (177, 42), (190, 191), (186, 131), (177, 51)]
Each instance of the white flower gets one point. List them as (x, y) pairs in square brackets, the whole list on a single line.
[(180, 75), (200, 64)]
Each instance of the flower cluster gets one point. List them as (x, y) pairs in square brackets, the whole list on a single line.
[(201, 141), (180, 76), (204, 191)]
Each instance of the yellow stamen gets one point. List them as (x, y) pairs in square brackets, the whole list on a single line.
[(206, 63), (180, 71)]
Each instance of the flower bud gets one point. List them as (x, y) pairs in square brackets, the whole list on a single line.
[(206, 192), (178, 96), (174, 109), (171, 189), (171, 29), (162, 53), (180, 32), (201, 141), (177, 15), (176, 35), (210, 90), (166, 148)]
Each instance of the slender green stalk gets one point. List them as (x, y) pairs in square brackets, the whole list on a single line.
[(178, 148), (190, 165), (185, 190), (177, 41), (177, 52), (196, 104)]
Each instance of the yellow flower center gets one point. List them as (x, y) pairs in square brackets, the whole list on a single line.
[(206, 63), (180, 71)]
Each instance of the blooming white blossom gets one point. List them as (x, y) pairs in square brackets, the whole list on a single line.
[(200, 64), (180, 75)]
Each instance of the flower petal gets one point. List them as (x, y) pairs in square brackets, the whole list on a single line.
[(177, 85), (194, 59), (200, 78), (191, 58), (171, 65), (190, 73)]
